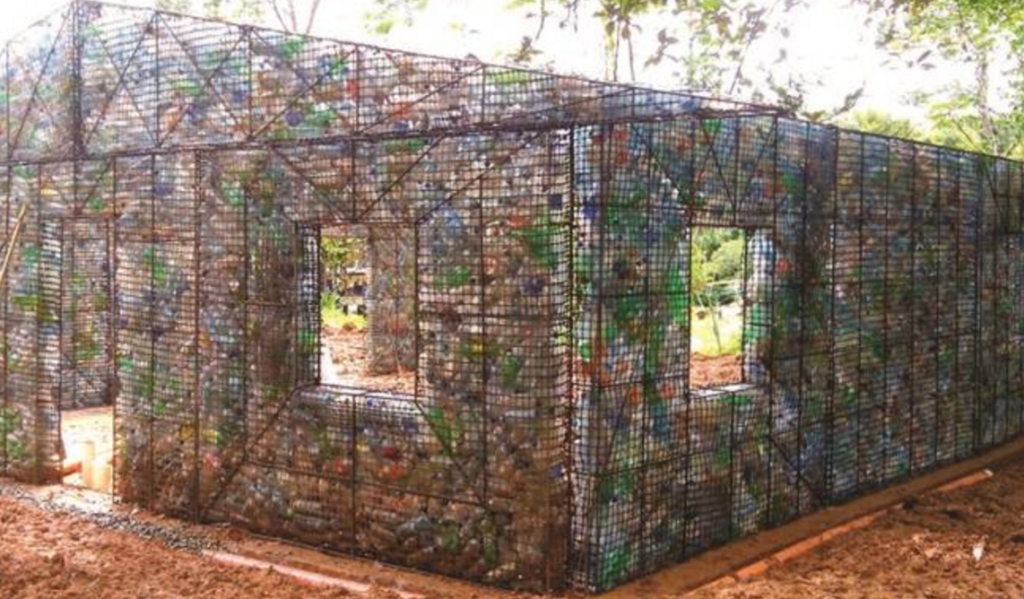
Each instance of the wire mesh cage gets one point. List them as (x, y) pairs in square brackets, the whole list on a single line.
[(167, 183)]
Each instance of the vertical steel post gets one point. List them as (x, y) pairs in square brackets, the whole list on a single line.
[(828, 493), (197, 388), (861, 218), (914, 307), (887, 394), (770, 364), (113, 309)]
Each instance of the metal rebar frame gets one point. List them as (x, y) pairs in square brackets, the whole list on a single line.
[(179, 173)]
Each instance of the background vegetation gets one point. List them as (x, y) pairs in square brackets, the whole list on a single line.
[(339, 254), (716, 277)]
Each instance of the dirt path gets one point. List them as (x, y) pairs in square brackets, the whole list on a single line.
[(967, 543), (349, 354), (46, 555)]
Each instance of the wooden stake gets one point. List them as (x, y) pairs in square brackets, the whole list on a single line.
[(13, 241)]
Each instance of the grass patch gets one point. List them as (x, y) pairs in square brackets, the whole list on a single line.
[(331, 315), (729, 340)]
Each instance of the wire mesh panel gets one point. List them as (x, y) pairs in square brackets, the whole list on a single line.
[(203, 71), (10, 419), (865, 261), (531, 241), (525, 212), (157, 338), (309, 319), (632, 459), (86, 346), (39, 65), (32, 330), (87, 341), (118, 50), (142, 79), (467, 476), (223, 382)]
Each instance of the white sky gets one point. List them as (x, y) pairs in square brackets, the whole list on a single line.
[(828, 41)]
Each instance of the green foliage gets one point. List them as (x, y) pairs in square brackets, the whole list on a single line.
[(716, 264), (387, 14), (339, 253), (716, 331), (954, 122), (876, 121), (963, 121), (716, 269), (332, 316), (984, 34), (709, 39), (174, 5), (726, 262), (710, 42), (708, 239)]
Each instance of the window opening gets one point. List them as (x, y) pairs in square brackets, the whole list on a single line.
[(718, 265), (367, 308)]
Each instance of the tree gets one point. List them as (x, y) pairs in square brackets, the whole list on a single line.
[(876, 121), (708, 44), (727, 261), (289, 18), (716, 263), (389, 13), (618, 20), (716, 267), (984, 114), (718, 34)]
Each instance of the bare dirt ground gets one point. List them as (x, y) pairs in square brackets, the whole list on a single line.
[(47, 556), (707, 371), (348, 352), (967, 543), (63, 542)]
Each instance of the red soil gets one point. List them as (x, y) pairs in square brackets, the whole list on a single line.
[(348, 351), (968, 542), (46, 556), (708, 371)]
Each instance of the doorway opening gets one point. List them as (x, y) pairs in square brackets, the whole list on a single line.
[(87, 442), (86, 356)]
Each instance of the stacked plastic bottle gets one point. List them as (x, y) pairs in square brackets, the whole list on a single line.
[(551, 297)]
